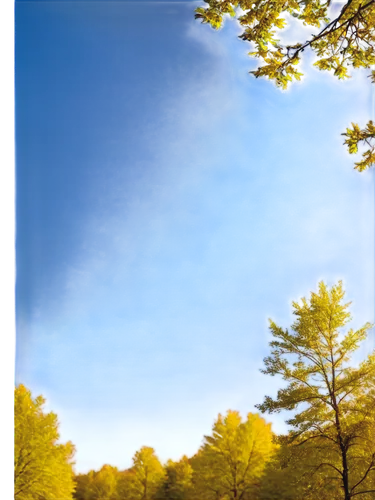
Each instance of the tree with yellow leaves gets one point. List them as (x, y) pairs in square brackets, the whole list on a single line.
[(125, 484), (42, 465), (231, 460), (331, 446), (177, 482), (280, 480), (345, 39), (98, 485), (145, 476), (82, 485)]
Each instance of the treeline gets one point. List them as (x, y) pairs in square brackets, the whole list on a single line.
[(328, 453), (229, 464)]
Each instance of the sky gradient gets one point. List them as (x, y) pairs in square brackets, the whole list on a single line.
[(168, 204)]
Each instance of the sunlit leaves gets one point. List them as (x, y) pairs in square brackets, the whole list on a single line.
[(329, 441), (346, 40), (356, 137), (177, 483), (148, 472), (42, 465), (233, 457), (97, 485)]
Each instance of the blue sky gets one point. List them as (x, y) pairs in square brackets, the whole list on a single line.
[(168, 204)]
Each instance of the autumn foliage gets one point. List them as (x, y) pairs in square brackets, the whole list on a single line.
[(328, 453), (42, 465), (344, 40)]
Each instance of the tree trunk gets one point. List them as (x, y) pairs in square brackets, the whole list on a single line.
[(345, 473), (342, 444), (343, 450)]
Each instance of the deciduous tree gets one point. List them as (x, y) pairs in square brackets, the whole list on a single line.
[(125, 484), (42, 465), (279, 480), (177, 483), (232, 459), (98, 485), (145, 477), (82, 482), (332, 437), (344, 39)]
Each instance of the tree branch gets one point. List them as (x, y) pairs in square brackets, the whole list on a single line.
[(333, 26), (370, 467), (362, 492), (329, 465)]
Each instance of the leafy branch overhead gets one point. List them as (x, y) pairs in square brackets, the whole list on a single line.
[(346, 39), (355, 137)]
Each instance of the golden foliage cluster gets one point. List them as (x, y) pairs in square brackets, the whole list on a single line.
[(346, 39)]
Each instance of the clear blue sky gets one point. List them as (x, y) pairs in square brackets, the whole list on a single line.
[(168, 204)]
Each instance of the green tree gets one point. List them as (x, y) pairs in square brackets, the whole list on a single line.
[(232, 459), (42, 465), (345, 39), (332, 437), (146, 475)]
